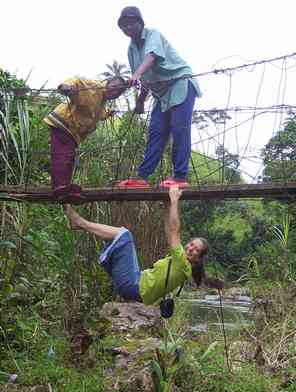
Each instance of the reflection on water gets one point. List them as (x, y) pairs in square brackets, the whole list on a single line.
[(206, 312)]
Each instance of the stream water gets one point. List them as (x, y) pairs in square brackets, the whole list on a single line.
[(206, 312)]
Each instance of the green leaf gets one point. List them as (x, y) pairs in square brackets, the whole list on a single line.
[(157, 370), (6, 290), (209, 350)]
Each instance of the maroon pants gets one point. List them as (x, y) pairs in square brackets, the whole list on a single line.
[(63, 147)]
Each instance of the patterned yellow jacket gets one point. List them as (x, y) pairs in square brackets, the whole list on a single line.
[(80, 114)]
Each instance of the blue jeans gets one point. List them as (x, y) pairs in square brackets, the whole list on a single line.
[(176, 122), (120, 261)]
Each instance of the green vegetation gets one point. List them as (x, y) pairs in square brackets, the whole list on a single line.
[(51, 288)]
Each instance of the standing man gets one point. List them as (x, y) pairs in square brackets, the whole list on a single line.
[(157, 65)]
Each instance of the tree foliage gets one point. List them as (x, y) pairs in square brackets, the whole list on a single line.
[(279, 155), (116, 69)]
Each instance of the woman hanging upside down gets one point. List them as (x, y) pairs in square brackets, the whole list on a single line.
[(119, 258)]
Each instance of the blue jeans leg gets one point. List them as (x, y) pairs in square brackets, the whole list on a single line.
[(119, 259), (176, 121), (180, 125), (158, 137)]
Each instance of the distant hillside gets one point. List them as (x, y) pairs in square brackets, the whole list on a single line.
[(206, 170)]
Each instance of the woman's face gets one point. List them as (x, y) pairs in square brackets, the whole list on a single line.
[(193, 250), (131, 26)]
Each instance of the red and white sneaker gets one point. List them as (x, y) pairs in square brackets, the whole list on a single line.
[(168, 182), (133, 183)]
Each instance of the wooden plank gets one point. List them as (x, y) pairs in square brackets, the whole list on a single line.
[(204, 192)]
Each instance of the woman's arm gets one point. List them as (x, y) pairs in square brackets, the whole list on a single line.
[(172, 219), (69, 89)]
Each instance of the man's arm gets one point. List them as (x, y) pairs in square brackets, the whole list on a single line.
[(172, 219), (147, 63)]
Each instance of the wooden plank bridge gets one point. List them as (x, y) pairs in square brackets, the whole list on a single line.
[(203, 192)]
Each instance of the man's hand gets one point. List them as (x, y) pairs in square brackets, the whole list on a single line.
[(175, 193), (134, 80)]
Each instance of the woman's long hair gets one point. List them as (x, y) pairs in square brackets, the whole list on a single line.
[(198, 270)]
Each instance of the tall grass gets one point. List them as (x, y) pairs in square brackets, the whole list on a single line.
[(281, 233), (15, 140)]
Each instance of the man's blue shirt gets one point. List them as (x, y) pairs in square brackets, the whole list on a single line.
[(168, 65)]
